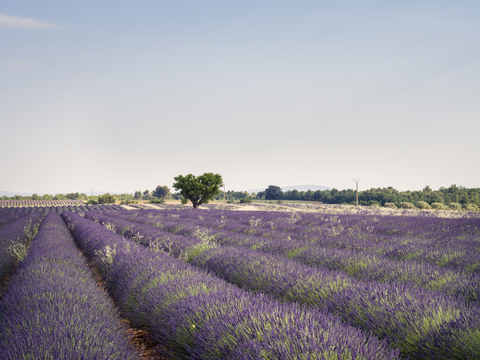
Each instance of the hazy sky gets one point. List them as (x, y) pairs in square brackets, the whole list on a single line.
[(125, 95)]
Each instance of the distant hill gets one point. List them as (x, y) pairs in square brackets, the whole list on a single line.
[(296, 187)]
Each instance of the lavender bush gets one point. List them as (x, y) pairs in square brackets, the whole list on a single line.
[(9, 217), (52, 307), (14, 241)]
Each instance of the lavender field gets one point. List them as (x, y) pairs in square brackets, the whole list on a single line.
[(221, 284), (44, 203)]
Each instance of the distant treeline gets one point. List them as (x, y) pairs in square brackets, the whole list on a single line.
[(456, 197), (389, 196), (69, 196), (158, 193), (94, 199), (381, 196)]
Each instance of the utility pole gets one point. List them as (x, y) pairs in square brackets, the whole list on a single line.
[(224, 194), (357, 180)]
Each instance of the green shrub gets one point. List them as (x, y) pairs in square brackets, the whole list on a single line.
[(407, 205), (423, 205), (390, 205), (471, 207), (157, 201), (455, 206), (106, 199), (439, 206), (245, 201), (128, 202), (368, 203)]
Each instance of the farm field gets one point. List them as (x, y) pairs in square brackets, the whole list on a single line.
[(44, 203), (222, 284)]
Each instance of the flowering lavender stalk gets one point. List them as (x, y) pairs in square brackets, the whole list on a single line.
[(52, 307), (201, 316)]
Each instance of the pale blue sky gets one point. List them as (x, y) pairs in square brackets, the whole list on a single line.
[(125, 95)]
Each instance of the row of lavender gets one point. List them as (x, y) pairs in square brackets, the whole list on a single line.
[(457, 278), (10, 217), (203, 317), (59, 209), (52, 307), (17, 203), (423, 323), (14, 238)]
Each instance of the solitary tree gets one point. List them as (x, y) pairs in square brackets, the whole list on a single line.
[(198, 189), (138, 195)]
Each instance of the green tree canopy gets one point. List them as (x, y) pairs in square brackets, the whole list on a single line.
[(273, 193), (106, 199), (161, 192), (76, 196), (198, 189)]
